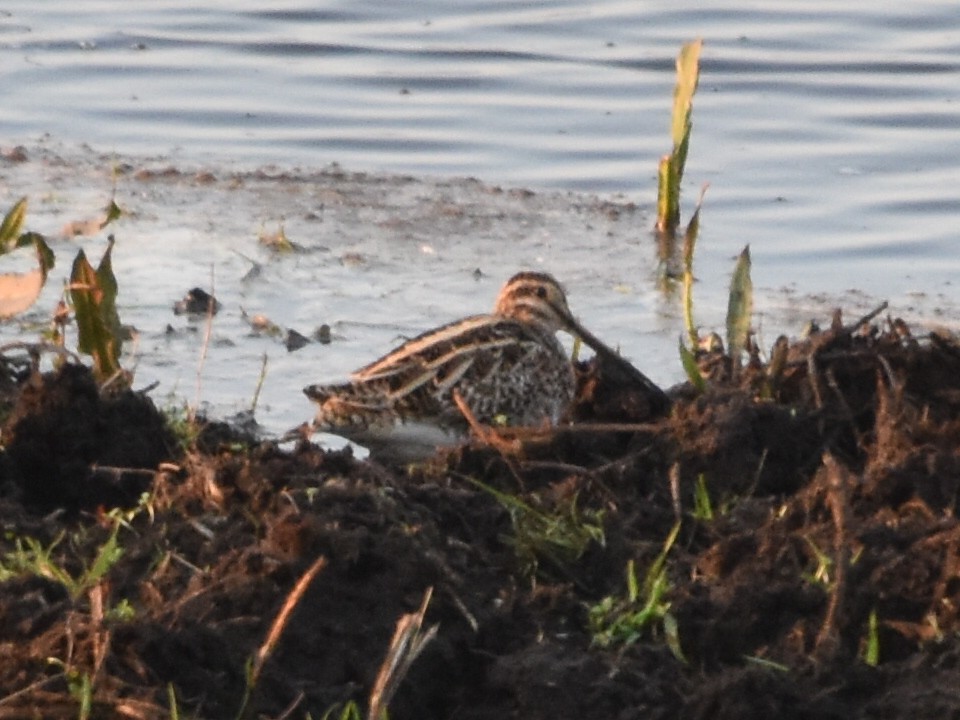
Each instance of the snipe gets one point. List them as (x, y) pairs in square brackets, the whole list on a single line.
[(507, 366)]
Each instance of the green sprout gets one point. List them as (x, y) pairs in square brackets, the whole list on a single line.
[(671, 168), (560, 537), (702, 506), (622, 621)]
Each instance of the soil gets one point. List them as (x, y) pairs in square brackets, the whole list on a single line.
[(820, 580)]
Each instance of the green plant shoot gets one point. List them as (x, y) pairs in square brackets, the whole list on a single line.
[(871, 654), (560, 537), (690, 367), (671, 168), (12, 224), (94, 295), (702, 506), (623, 621), (739, 307), (689, 243), (31, 557)]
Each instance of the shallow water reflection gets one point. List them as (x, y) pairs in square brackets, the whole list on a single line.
[(827, 134)]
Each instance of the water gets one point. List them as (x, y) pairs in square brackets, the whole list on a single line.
[(827, 132)]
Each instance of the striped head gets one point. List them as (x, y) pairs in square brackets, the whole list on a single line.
[(536, 299)]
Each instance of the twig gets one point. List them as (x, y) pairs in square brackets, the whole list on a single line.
[(486, 435), (38, 347), (189, 566), (568, 468), (845, 410), (149, 388), (283, 616), (462, 607), (100, 636), (260, 381), (34, 686), (207, 333), (587, 428), (406, 645), (867, 318), (838, 496), (675, 491), (118, 472), (288, 711)]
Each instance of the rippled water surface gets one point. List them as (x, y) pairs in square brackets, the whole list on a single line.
[(828, 133)]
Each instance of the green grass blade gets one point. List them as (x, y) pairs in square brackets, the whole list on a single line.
[(689, 243), (740, 306), (633, 587), (702, 506), (172, 702), (85, 696), (766, 664), (655, 573), (672, 631), (690, 367), (693, 337), (872, 655), (107, 556), (668, 195)]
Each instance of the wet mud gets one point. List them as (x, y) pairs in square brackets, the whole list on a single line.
[(815, 572)]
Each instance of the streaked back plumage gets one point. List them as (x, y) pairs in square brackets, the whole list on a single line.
[(506, 366)]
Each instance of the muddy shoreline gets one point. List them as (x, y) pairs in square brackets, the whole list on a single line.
[(814, 573)]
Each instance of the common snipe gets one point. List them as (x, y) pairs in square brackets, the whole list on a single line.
[(506, 366)]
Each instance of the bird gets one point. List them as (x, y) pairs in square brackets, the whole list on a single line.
[(507, 367)]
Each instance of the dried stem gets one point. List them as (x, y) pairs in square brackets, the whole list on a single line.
[(838, 496), (283, 616)]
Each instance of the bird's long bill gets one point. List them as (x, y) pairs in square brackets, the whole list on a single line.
[(588, 338), (610, 355)]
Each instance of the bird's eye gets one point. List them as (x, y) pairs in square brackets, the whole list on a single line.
[(541, 292)]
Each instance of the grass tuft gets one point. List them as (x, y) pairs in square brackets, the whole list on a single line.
[(560, 537), (622, 621), (30, 557)]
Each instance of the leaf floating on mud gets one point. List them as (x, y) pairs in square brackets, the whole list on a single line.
[(18, 291), (279, 241), (261, 324)]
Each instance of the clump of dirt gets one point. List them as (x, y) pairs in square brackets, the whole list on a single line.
[(69, 446), (815, 573)]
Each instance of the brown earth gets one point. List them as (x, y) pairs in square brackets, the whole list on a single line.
[(833, 477)]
